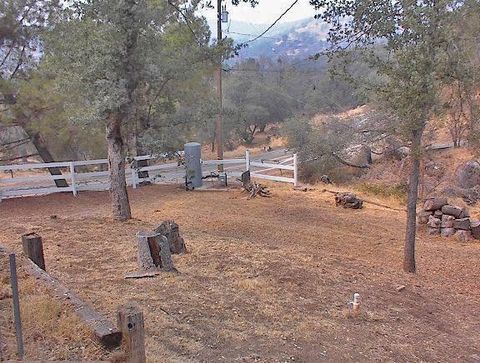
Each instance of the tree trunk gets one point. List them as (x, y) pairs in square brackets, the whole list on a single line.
[(45, 155), (116, 162), (409, 251)]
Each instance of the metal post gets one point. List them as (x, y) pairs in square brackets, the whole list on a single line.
[(72, 177), (219, 122), (295, 170), (247, 160), (16, 305)]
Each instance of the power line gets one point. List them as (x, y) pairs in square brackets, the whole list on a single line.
[(273, 24)]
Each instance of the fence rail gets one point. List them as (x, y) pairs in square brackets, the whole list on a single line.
[(95, 180)]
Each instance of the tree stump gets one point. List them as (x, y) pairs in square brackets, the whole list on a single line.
[(130, 323), (33, 248), (146, 259), (171, 230), (154, 252)]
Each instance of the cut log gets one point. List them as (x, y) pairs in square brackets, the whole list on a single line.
[(447, 221), (463, 224), (33, 248), (452, 210), (447, 232), (171, 230), (106, 332), (433, 204), (463, 236), (475, 228), (130, 322)]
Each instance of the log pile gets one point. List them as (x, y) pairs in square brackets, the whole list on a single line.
[(442, 218), (348, 200), (252, 188)]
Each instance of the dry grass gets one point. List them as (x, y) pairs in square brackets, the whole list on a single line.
[(264, 280), (51, 330)]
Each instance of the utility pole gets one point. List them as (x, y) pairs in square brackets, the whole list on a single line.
[(219, 122)]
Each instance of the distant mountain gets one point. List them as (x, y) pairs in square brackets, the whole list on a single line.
[(295, 40)]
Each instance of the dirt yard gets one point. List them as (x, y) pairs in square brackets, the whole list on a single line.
[(265, 280)]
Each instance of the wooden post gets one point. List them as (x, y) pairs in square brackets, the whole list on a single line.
[(72, 178), (16, 305), (145, 257), (295, 170), (130, 323), (134, 177), (33, 248)]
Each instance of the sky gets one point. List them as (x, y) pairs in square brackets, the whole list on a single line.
[(266, 12)]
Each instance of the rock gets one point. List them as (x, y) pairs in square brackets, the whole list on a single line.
[(171, 230), (465, 213), (463, 224), (468, 174), (438, 214), (447, 232), (475, 228), (452, 210), (401, 288), (348, 200), (447, 221), (433, 231), (463, 236), (434, 222), (432, 204), (422, 217)]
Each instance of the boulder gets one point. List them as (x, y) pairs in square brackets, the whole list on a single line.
[(447, 221), (433, 231), (452, 210), (465, 213), (463, 224), (422, 217), (432, 204), (463, 236), (468, 174), (447, 232), (475, 228), (434, 222), (438, 214), (348, 200)]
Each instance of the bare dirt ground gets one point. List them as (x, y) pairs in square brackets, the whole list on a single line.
[(265, 280)]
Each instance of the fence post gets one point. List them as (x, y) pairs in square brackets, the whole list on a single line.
[(16, 305), (130, 323), (247, 160), (72, 177), (134, 177), (295, 170)]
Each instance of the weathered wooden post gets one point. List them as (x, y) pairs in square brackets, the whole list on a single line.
[(33, 248), (130, 323), (146, 259), (72, 178), (16, 305)]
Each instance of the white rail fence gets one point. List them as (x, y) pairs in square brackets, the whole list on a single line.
[(92, 175)]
